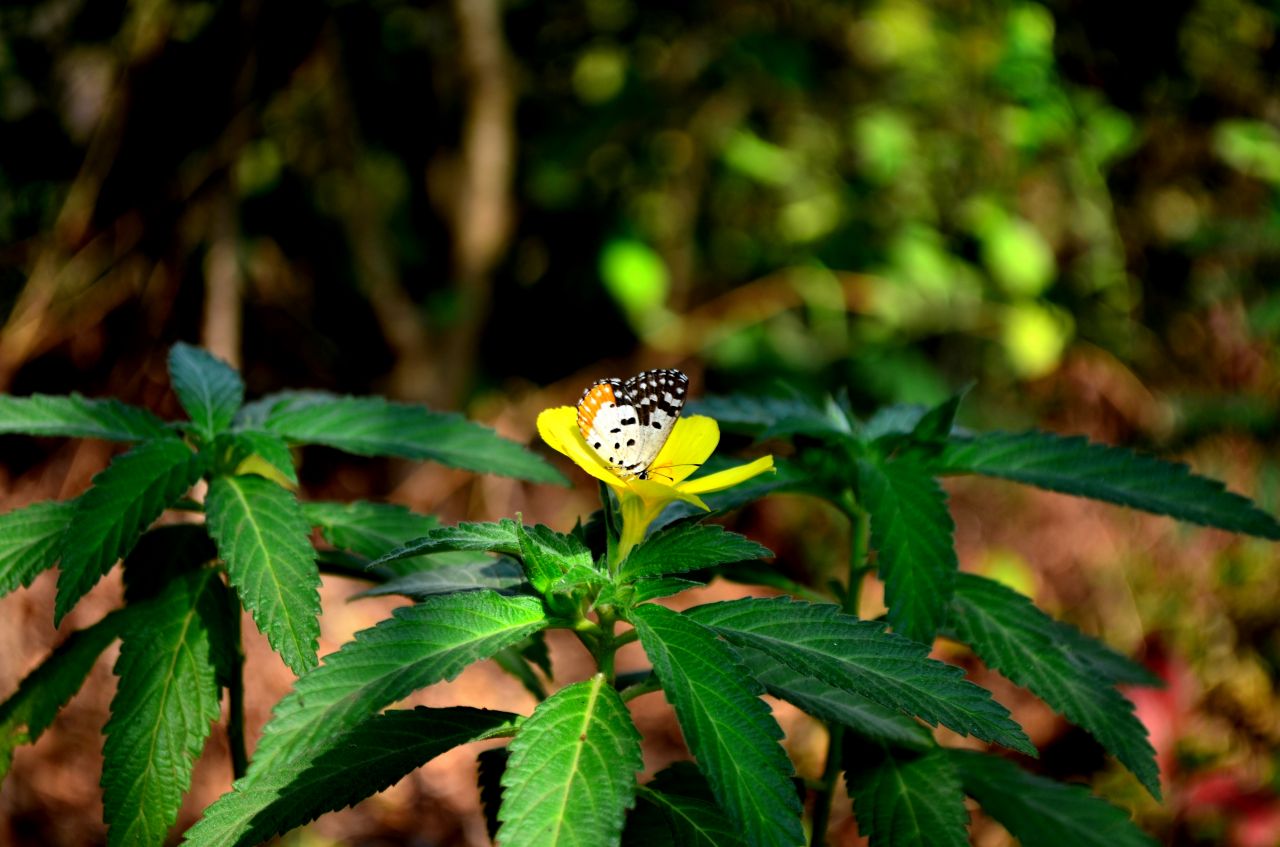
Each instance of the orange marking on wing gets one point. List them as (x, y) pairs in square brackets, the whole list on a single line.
[(591, 404)]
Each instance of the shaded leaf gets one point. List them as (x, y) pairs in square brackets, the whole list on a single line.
[(492, 764), (368, 529), (1041, 812), (78, 417), (371, 426), (497, 537), (501, 575), (1113, 474), (572, 772), (727, 726), (861, 658), (125, 499), (208, 388), (264, 540), (911, 531)]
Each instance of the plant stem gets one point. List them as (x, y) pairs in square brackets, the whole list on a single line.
[(860, 525), (235, 696)]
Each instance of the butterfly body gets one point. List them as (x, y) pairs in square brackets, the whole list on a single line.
[(627, 421)]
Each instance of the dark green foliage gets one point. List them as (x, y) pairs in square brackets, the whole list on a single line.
[(905, 798), (688, 547), (78, 417), (29, 541), (209, 389), (1040, 812), (1026, 645)]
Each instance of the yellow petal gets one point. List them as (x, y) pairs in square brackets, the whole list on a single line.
[(657, 494), (727, 478), (559, 428), (692, 442)]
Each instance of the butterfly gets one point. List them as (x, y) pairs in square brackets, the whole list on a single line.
[(627, 422)]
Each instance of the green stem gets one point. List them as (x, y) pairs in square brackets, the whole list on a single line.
[(235, 696), (860, 525)]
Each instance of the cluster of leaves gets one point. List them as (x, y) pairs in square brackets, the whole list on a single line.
[(492, 591), (185, 582), (882, 473)]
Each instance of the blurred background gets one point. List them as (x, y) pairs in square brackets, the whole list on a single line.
[(484, 205)]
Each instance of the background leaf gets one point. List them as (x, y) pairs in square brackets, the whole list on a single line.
[(1115, 475), (208, 388), (688, 547), (165, 701), (368, 529), (124, 500), (572, 772), (371, 426), (74, 416), (861, 658), (905, 798), (501, 575), (497, 537), (1012, 636), (1041, 812), (30, 709), (29, 541), (912, 533), (727, 726), (371, 757), (265, 543)]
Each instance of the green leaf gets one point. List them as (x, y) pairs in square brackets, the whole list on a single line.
[(689, 547), (29, 540), (208, 388), (492, 765), (503, 575), (30, 709), (78, 417), (264, 540), (572, 772), (643, 590), (125, 499), (371, 757), (1115, 475), (727, 726), (166, 699), (249, 445), (1012, 636), (497, 537), (905, 798), (549, 555), (861, 658), (368, 529), (834, 705), (1041, 812), (371, 426), (418, 646), (911, 531)]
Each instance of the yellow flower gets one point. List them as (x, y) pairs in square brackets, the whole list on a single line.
[(692, 441)]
